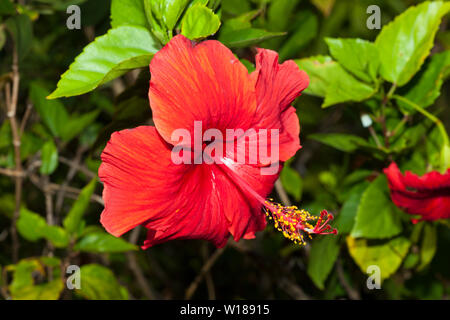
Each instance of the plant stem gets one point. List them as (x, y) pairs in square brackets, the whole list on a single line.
[(11, 102), (430, 116)]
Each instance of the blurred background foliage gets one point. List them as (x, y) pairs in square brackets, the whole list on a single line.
[(50, 200)]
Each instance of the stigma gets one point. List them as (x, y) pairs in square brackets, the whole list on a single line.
[(296, 224)]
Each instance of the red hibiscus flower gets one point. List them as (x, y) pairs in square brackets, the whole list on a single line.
[(427, 196), (203, 83)]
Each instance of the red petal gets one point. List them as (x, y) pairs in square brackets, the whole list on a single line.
[(428, 196), (143, 186), (138, 178), (290, 134), (222, 200), (199, 82), (277, 86)]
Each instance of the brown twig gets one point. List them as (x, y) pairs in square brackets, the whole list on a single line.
[(11, 173), (25, 118), (4, 286), (282, 193), (78, 167), (71, 191), (206, 267), (133, 264), (74, 165), (290, 287), (208, 277), (50, 221), (12, 96), (352, 293)]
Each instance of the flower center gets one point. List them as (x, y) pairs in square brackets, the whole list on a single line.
[(294, 223)]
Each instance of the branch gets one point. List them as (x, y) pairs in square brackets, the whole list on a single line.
[(352, 293), (72, 192), (206, 267), (74, 165), (282, 193), (148, 291), (12, 96)]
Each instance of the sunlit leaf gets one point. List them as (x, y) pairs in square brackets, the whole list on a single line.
[(99, 283), (387, 256), (128, 12), (73, 219), (33, 227), (404, 43), (377, 216), (103, 242), (359, 57), (328, 79), (107, 57), (199, 22)]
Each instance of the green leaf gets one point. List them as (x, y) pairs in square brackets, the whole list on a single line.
[(404, 43), (305, 30), (340, 141), (278, 9), (199, 22), (73, 219), (99, 283), (241, 22), (428, 246), (76, 125), (6, 7), (21, 30), (388, 255), (323, 255), (57, 236), (55, 116), (33, 227), (328, 79), (168, 11), (236, 7), (30, 225), (359, 57), (2, 37), (346, 218), (246, 37), (347, 89), (107, 57), (128, 12), (23, 288), (377, 216), (325, 6), (428, 87), (445, 157), (52, 112), (49, 158), (101, 242), (292, 182)]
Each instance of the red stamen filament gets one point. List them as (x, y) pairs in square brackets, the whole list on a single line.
[(294, 223)]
